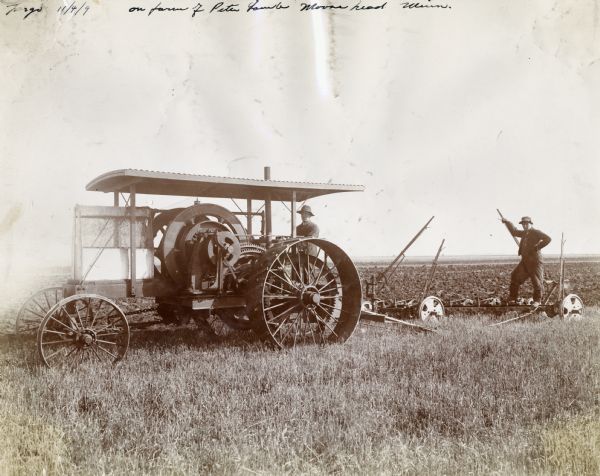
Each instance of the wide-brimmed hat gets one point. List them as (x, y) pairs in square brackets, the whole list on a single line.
[(526, 220), (306, 209)]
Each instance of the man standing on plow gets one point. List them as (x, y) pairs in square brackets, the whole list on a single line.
[(531, 265)]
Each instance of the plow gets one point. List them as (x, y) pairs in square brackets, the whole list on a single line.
[(426, 309), (226, 270)]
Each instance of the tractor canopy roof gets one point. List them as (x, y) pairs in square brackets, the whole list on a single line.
[(190, 185)]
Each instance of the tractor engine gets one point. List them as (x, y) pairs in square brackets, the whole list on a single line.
[(202, 248)]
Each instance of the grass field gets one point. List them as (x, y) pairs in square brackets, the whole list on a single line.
[(471, 399), (519, 399)]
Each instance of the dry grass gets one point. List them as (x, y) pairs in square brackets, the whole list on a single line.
[(519, 399)]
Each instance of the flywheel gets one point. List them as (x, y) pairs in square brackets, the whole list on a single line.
[(174, 245)]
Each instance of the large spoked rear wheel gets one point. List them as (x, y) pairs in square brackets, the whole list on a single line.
[(83, 327), (305, 292), (34, 310)]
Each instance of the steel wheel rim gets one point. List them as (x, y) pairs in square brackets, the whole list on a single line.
[(310, 295), (32, 312), (431, 309), (572, 307), (83, 328)]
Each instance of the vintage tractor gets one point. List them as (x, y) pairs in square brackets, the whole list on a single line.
[(202, 261)]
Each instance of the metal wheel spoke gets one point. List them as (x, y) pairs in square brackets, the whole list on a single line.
[(111, 326), (109, 334), (279, 327), (96, 354), (41, 308), (279, 296), (34, 312), (323, 266), (32, 320), (47, 300), (94, 314), (301, 275), (331, 316), (287, 311), (329, 297), (107, 342), (281, 289), (285, 280), (325, 322), (293, 266), (330, 306), (296, 331), (312, 332), (79, 317), (58, 342), (56, 353), (104, 350), (74, 349), (87, 312), (49, 331), (63, 324), (68, 314), (276, 305), (311, 266), (283, 268), (325, 285)]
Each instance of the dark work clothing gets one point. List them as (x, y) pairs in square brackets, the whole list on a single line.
[(527, 269), (308, 229), (531, 265), (532, 240)]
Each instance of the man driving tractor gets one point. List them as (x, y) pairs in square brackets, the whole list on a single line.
[(307, 228)]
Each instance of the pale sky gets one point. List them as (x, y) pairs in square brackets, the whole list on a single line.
[(451, 113)]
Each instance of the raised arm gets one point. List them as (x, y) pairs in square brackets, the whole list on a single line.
[(512, 228)]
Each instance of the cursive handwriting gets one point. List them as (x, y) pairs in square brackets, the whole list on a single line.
[(225, 6), (27, 11), (254, 6), (220, 7), (160, 8), (425, 5), (359, 6), (197, 9), (315, 6)]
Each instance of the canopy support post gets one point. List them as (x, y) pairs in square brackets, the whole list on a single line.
[(268, 217), (132, 244), (293, 211), (249, 216)]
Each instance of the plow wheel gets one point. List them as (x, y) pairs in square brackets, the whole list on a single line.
[(431, 309), (83, 327), (34, 310), (572, 307), (305, 292)]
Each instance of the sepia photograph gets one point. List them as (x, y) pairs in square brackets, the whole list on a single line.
[(299, 237)]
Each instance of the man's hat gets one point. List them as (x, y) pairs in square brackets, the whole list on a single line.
[(306, 209), (526, 220)]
